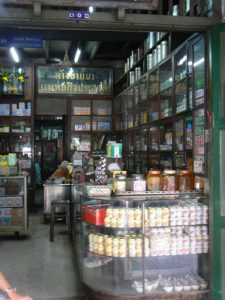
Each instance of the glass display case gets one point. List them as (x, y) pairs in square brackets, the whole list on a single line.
[(13, 204), (145, 247)]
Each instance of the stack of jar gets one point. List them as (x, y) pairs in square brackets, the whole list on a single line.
[(169, 180), (184, 214), (160, 241)]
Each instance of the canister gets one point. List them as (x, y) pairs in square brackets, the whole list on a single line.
[(138, 184)]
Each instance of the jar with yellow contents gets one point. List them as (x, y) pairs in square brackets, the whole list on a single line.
[(186, 182), (169, 181), (153, 180)]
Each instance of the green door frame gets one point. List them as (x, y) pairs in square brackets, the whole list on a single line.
[(217, 222)]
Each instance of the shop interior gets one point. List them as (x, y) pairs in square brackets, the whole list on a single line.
[(141, 126)]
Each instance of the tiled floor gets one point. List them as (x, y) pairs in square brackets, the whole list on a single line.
[(38, 267)]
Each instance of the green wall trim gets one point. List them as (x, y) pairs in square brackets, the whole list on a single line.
[(218, 222)]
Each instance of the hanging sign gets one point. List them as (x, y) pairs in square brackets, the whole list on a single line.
[(78, 15), (74, 80), (21, 41)]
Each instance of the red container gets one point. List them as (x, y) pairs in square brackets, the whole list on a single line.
[(94, 214)]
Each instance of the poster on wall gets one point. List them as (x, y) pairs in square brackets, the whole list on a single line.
[(74, 80)]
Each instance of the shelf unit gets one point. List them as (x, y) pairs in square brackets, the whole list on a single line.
[(90, 124), (130, 251), (164, 124), (13, 204)]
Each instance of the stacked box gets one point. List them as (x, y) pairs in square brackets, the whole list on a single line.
[(17, 216)]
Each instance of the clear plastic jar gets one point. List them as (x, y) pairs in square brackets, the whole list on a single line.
[(198, 183), (169, 181), (138, 184), (185, 180), (153, 180)]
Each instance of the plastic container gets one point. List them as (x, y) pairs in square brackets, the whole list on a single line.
[(186, 182), (97, 190), (169, 181), (153, 180), (137, 183)]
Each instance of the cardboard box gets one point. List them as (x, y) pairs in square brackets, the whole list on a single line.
[(94, 214)]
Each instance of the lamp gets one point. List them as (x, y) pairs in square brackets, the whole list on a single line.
[(77, 55), (14, 54)]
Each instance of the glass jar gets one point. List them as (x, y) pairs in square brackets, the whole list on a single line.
[(169, 181), (138, 184), (198, 183), (153, 180), (119, 183), (185, 180)]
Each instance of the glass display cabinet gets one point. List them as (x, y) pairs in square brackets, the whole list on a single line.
[(145, 247), (13, 205)]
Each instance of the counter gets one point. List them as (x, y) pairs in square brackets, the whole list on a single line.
[(59, 192)]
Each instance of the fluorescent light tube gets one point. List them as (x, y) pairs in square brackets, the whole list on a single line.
[(14, 54), (77, 55), (91, 9)]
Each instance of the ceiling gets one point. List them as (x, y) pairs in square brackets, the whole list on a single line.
[(95, 45)]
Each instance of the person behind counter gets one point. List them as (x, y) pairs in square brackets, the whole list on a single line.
[(62, 171)]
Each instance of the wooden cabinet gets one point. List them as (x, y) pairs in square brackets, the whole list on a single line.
[(90, 124), (164, 111)]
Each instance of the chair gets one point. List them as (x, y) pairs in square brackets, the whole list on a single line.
[(65, 204)]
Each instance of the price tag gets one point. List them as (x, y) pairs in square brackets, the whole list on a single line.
[(198, 166)]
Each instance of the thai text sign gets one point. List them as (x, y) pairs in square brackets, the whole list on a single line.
[(20, 41), (78, 15), (74, 80)]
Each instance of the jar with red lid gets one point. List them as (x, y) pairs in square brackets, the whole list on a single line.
[(186, 182), (153, 180), (169, 181)]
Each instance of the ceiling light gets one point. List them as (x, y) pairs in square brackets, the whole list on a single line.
[(77, 55), (14, 54), (91, 9)]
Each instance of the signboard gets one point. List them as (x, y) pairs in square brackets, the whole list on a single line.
[(74, 80), (21, 41), (78, 15)]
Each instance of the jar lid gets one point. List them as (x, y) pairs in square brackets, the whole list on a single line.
[(170, 172), (184, 172), (154, 172), (120, 176)]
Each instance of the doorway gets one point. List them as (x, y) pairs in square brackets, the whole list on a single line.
[(49, 141)]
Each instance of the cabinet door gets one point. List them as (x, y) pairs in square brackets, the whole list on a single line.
[(199, 72), (199, 140)]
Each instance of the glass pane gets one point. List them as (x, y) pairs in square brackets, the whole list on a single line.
[(154, 136), (165, 75), (102, 107), (181, 96), (80, 123), (81, 107), (199, 71), (153, 84), (199, 141), (179, 135), (166, 138), (154, 108), (101, 123), (180, 64), (189, 134), (166, 103)]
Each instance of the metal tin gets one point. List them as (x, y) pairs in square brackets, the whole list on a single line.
[(164, 49)]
